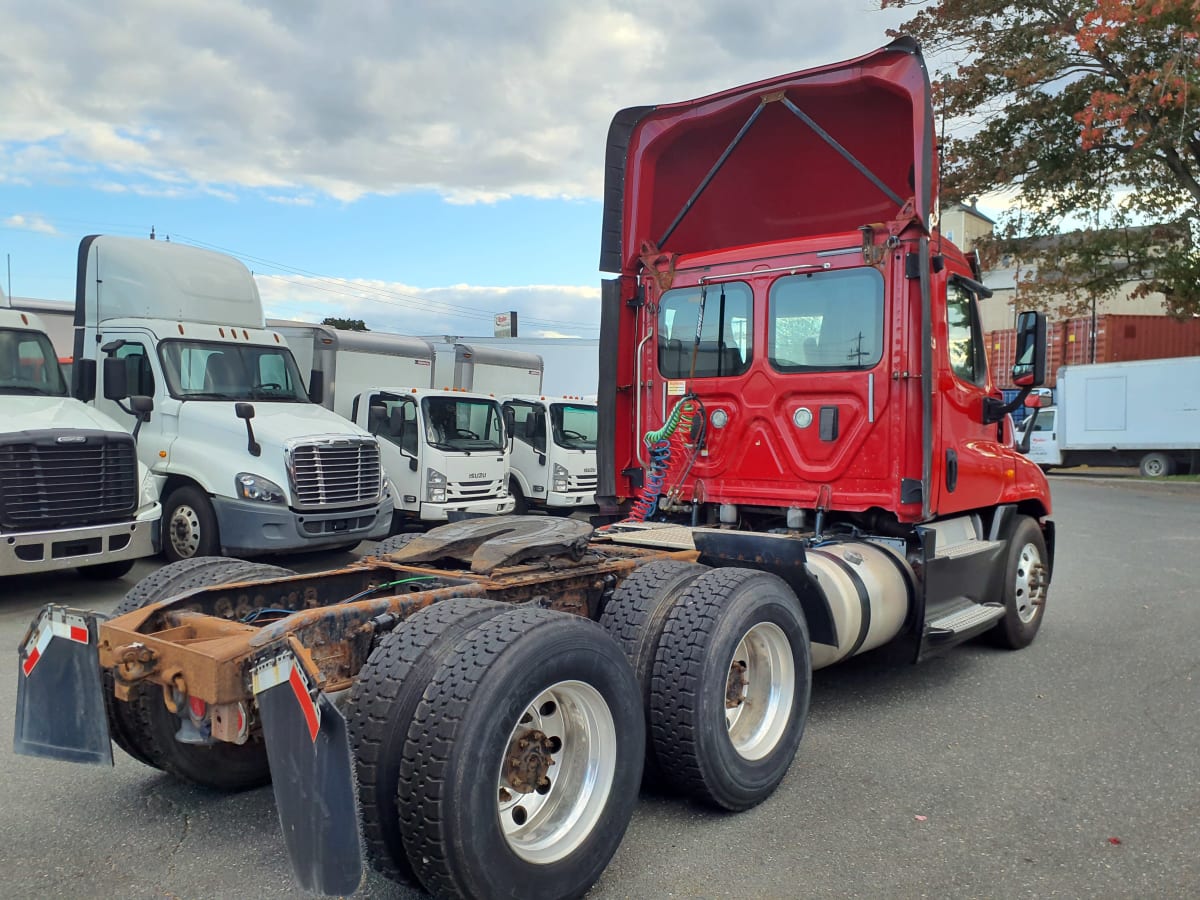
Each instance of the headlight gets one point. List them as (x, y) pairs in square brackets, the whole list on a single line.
[(435, 486), (255, 487), (560, 479)]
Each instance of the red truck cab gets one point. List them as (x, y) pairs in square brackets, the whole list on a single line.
[(778, 259)]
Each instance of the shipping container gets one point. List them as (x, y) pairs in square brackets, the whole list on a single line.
[(1118, 339)]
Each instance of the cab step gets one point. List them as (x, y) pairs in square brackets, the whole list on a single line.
[(968, 618)]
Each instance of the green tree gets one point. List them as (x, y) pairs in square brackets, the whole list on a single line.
[(1087, 111), (345, 324)]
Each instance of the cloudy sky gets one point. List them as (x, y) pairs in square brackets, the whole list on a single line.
[(417, 165)]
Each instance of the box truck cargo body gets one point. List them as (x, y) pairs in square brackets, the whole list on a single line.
[(1144, 414)]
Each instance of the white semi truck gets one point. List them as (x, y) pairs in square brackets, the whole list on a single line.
[(444, 451), (1144, 413), (244, 462), (72, 492)]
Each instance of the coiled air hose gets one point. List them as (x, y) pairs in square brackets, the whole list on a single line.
[(665, 445)]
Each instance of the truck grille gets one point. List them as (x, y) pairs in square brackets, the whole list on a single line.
[(335, 473), (472, 490), (581, 483), (51, 479)]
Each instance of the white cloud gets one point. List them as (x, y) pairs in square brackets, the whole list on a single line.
[(30, 223), (472, 99), (460, 309)]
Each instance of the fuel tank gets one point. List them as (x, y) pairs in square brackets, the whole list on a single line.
[(868, 590)]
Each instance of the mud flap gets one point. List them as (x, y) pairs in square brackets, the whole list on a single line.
[(60, 704), (313, 776)]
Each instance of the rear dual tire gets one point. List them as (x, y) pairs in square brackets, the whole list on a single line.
[(730, 687), (521, 765)]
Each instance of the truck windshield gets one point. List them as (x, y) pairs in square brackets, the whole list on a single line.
[(574, 427), (198, 370), (458, 423), (826, 321), (724, 347), (29, 365)]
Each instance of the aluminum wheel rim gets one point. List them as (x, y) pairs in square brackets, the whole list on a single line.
[(761, 690), (1153, 467), (1029, 590), (185, 531), (543, 827)]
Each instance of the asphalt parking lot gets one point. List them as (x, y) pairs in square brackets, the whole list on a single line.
[(1068, 769)]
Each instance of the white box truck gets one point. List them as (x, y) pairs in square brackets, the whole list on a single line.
[(72, 492), (553, 452), (244, 462), (553, 439), (443, 450), (1144, 413)]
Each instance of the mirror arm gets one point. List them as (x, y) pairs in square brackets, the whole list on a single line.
[(994, 410), (1023, 446)]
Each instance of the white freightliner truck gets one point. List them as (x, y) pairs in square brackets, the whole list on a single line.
[(244, 462), (1144, 413), (444, 451), (72, 492)]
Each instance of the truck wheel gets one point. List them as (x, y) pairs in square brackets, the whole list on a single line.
[(520, 504), (730, 689), (143, 726), (635, 615), (1026, 579), (523, 759), (1156, 465), (106, 571), (189, 525), (381, 706)]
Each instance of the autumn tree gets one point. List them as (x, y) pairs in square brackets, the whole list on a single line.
[(345, 324), (1087, 112)]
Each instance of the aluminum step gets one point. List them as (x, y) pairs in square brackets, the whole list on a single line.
[(650, 534), (966, 619)]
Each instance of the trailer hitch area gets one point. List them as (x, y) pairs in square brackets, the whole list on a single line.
[(312, 772), (134, 662), (60, 700)]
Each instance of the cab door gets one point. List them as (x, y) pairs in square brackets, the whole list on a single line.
[(528, 461), (968, 465)]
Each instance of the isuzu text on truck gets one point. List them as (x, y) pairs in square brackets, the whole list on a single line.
[(244, 462), (504, 682)]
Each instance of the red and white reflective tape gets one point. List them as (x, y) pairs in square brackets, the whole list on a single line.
[(284, 668), (54, 622)]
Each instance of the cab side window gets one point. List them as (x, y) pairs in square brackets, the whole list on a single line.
[(137, 369), (529, 424), (964, 337)]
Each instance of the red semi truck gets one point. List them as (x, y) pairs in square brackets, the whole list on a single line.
[(806, 457)]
